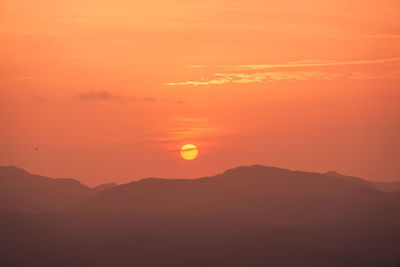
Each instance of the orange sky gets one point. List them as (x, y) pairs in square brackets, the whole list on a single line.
[(110, 90)]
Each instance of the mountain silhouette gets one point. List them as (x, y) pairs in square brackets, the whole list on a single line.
[(22, 191), (264, 194), (103, 187), (388, 186), (384, 186), (247, 216)]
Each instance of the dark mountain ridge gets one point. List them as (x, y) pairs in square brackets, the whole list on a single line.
[(266, 194), (388, 186), (25, 192), (247, 216), (103, 187)]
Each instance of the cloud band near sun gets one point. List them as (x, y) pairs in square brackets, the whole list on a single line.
[(297, 70)]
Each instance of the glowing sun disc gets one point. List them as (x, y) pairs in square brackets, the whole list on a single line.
[(189, 152)]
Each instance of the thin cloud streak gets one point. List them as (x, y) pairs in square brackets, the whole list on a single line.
[(244, 73), (24, 78), (315, 63), (102, 95), (382, 36), (285, 76), (185, 130)]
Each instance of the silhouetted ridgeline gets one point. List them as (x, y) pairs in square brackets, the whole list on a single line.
[(388, 186), (247, 216), (22, 191)]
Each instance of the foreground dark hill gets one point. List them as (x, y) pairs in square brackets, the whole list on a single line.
[(25, 192), (248, 216)]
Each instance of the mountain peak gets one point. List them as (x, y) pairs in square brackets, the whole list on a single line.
[(255, 170), (251, 167), (333, 173), (12, 170)]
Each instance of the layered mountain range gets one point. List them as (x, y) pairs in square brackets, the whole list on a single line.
[(247, 216)]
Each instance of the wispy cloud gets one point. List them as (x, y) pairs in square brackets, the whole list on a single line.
[(224, 78), (24, 78), (149, 99), (295, 70), (38, 99), (185, 130), (196, 66), (210, 82), (102, 95), (315, 63), (382, 36)]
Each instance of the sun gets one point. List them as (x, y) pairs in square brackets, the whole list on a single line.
[(189, 152)]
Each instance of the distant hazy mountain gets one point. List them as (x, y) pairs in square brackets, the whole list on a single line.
[(351, 178), (247, 216), (388, 186), (258, 193), (384, 186), (25, 192), (103, 187)]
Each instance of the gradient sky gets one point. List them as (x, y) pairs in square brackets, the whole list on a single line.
[(110, 90)]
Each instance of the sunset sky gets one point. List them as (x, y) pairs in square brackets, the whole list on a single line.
[(109, 90)]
